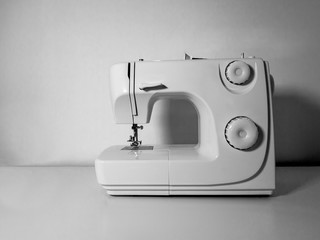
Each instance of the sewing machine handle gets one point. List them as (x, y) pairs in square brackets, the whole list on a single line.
[(152, 86)]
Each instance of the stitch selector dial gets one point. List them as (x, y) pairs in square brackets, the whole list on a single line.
[(237, 72), (241, 133)]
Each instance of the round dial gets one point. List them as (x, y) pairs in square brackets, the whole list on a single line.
[(238, 72), (241, 133)]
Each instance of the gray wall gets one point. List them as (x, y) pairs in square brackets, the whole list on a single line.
[(56, 55)]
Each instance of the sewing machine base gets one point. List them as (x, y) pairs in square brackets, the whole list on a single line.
[(128, 191), (174, 170)]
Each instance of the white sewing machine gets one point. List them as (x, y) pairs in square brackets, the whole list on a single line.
[(235, 150)]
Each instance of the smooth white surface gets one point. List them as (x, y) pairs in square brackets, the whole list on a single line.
[(221, 162), (56, 56), (67, 203)]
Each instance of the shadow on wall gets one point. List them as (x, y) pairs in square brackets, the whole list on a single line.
[(297, 129)]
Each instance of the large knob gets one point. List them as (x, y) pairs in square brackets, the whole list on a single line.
[(241, 133), (237, 72)]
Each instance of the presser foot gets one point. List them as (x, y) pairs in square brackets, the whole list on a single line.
[(135, 143)]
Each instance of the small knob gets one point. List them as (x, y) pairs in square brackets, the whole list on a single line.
[(237, 72), (241, 133)]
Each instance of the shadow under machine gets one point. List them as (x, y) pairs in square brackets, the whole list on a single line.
[(235, 150)]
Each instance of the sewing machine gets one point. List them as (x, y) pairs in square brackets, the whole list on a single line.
[(235, 150)]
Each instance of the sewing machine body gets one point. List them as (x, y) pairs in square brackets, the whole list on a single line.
[(213, 166)]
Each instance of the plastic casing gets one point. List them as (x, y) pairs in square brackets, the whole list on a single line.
[(211, 167)]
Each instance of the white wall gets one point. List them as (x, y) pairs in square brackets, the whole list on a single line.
[(56, 55)]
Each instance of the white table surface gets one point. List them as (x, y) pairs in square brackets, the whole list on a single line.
[(67, 203)]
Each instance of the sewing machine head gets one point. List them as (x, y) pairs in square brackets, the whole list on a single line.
[(235, 144)]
